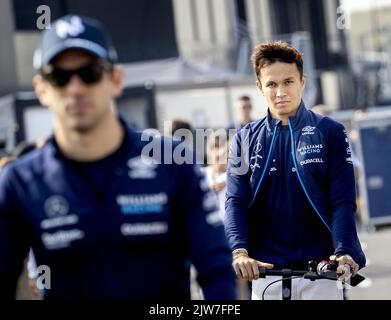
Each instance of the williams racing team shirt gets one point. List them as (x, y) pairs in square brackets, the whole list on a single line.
[(290, 233), (123, 227)]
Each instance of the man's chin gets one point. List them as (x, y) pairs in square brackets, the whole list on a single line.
[(286, 111), (282, 113), (81, 126)]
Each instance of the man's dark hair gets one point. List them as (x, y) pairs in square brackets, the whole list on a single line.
[(244, 98), (180, 124), (268, 53)]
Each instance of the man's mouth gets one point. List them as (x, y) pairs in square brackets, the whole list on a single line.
[(282, 102), (77, 108)]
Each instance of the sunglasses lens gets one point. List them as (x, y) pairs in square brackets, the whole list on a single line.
[(58, 77), (89, 74)]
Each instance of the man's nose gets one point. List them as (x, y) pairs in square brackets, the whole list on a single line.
[(75, 85), (280, 91)]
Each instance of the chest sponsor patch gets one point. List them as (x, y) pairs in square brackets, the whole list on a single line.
[(61, 238), (58, 214), (142, 168), (141, 229), (56, 206), (308, 130), (310, 161), (142, 203), (59, 221), (310, 149)]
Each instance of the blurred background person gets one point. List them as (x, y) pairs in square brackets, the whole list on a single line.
[(182, 131), (216, 177), (5, 160), (321, 109), (216, 169), (243, 110)]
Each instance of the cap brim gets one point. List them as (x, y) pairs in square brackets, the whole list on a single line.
[(79, 44)]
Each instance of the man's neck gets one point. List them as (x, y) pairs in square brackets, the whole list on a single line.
[(284, 118), (284, 121), (93, 145), (243, 122)]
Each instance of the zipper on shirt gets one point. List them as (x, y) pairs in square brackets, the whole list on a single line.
[(265, 167), (298, 176)]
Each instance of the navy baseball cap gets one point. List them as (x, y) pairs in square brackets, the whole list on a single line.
[(74, 32)]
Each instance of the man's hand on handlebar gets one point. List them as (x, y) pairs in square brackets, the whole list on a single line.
[(247, 268), (347, 267)]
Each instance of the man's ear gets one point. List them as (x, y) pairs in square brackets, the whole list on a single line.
[(117, 79), (259, 86), (39, 85), (304, 81)]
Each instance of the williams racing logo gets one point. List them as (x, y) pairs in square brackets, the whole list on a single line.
[(71, 28), (310, 149), (142, 203)]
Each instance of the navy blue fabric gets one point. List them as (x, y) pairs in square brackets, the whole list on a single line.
[(321, 159), (117, 228), (283, 211)]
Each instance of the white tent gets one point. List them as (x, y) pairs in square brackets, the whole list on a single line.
[(175, 71)]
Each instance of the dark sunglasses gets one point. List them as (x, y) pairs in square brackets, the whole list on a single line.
[(90, 74)]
